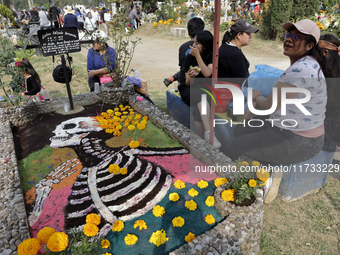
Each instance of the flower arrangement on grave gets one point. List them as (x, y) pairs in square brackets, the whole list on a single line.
[(115, 121), (85, 242), (245, 182), (226, 25)]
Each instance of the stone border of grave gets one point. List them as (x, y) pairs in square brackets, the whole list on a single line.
[(238, 233)]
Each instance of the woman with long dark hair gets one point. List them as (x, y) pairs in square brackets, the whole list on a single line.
[(198, 64), (32, 79), (329, 49)]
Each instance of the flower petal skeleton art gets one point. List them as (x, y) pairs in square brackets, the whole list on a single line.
[(95, 190)]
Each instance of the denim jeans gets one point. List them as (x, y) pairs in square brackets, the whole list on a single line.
[(132, 23), (272, 144)]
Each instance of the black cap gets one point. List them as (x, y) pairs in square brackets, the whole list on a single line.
[(242, 25)]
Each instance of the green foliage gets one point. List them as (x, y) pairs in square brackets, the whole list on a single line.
[(7, 69), (5, 12), (224, 26), (277, 12), (124, 45), (166, 12)]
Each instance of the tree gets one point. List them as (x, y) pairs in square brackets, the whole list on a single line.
[(277, 12)]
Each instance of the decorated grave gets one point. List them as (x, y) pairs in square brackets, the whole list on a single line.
[(82, 164)]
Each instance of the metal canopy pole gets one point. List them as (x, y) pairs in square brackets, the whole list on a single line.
[(63, 62), (215, 63)]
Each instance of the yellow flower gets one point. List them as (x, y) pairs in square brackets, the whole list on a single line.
[(107, 253), (220, 181), (118, 226), (116, 109), (210, 201), (262, 174), (119, 127), (123, 171), (93, 218), (131, 127), (136, 122), (192, 192), (265, 182), (45, 234), (121, 106), (158, 237), (114, 169), (188, 238), (116, 133), (178, 221), (90, 229), (104, 115), (228, 195), (115, 119), (202, 184), (118, 114), (134, 144), (30, 246), (255, 163), (252, 183), (138, 116), (179, 184), (58, 242), (209, 219), (174, 197), (125, 112), (105, 243), (144, 122), (109, 111), (141, 224), (158, 211), (145, 118), (244, 163), (191, 205), (130, 239), (140, 126)]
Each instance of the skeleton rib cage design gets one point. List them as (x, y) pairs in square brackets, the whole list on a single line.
[(112, 196)]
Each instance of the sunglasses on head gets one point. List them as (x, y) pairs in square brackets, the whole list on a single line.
[(293, 36)]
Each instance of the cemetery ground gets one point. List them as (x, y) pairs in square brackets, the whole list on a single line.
[(308, 226)]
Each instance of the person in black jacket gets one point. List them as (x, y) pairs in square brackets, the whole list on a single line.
[(231, 62), (32, 79)]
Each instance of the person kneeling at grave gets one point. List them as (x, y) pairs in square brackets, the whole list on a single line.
[(100, 60)]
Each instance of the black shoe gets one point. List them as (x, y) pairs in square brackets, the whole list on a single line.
[(167, 82)]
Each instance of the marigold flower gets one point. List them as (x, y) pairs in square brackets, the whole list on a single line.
[(262, 174), (174, 197), (141, 224), (131, 127), (107, 253), (191, 205), (228, 195), (140, 126), (116, 109), (244, 163), (138, 116), (93, 218), (252, 183), (178, 221), (116, 132), (123, 171), (121, 106), (118, 114), (45, 234), (220, 181), (188, 238), (209, 219), (119, 127), (125, 113), (202, 184), (210, 201), (115, 119), (58, 242), (179, 184), (255, 163), (158, 238), (118, 226), (105, 243), (134, 144), (114, 169), (145, 118), (130, 239), (104, 115), (90, 229), (29, 246), (136, 122), (192, 192), (144, 122), (158, 211)]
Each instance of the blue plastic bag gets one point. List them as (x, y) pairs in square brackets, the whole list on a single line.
[(263, 78)]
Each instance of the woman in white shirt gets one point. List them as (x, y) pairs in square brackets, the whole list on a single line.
[(90, 23), (107, 20)]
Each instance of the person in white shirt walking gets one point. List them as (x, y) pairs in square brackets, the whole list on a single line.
[(45, 23), (90, 23), (107, 21)]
